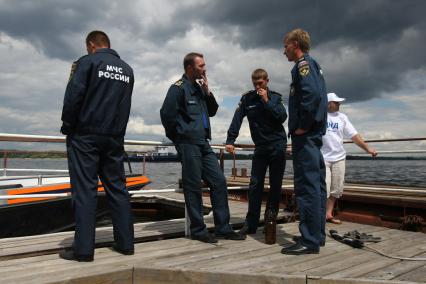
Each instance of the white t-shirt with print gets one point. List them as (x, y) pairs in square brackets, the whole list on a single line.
[(338, 127)]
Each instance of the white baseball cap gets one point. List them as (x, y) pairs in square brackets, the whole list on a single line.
[(332, 97)]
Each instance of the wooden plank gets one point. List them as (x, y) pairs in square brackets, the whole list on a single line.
[(103, 235), (250, 257), (223, 264), (149, 275), (111, 274), (397, 269), (148, 250), (59, 270), (342, 256), (301, 264), (396, 244), (101, 240), (332, 250), (105, 258), (154, 253), (336, 263), (253, 242), (327, 280), (416, 275)]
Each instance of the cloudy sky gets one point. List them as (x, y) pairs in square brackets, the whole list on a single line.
[(371, 52)]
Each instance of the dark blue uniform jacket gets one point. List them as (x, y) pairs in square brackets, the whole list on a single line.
[(265, 119), (185, 113), (98, 95), (308, 97)]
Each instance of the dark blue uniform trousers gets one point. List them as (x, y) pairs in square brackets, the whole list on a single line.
[(309, 187), (88, 157), (200, 162), (272, 156)]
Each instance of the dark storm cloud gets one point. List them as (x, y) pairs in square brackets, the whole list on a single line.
[(377, 29), (50, 25), (263, 22), (388, 35)]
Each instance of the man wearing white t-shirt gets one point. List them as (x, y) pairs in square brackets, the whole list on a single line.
[(338, 127)]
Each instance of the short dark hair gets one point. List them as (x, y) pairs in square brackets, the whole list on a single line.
[(189, 59), (99, 38), (259, 74)]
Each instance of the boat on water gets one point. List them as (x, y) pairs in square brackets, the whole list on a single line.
[(396, 207), (160, 154), (39, 215)]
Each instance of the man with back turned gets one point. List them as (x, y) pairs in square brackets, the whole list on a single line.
[(185, 116), (307, 124), (95, 115)]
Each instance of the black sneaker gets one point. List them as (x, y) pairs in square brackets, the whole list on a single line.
[(70, 255), (123, 251), (205, 238), (298, 249), (298, 238), (231, 236), (245, 230)]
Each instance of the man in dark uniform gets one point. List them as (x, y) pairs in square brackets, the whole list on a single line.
[(266, 114), (185, 116), (95, 115), (307, 124)]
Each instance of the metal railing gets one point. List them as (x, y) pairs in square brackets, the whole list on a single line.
[(239, 147), (61, 139)]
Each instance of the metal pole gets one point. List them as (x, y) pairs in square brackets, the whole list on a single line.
[(390, 140), (221, 159), (187, 224), (4, 163), (143, 171)]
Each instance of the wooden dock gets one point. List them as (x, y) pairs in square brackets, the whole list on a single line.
[(164, 256)]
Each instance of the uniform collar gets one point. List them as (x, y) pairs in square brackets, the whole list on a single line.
[(304, 57), (107, 50), (254, 94), (190, 86)]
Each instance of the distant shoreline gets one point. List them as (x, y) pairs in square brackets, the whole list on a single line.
[(11, 154)]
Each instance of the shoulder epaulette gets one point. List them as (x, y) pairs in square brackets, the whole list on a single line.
[(303, 67), (73, 67), (302, 63), (275, 93), (178, 82), (78, 60), (246, 93)]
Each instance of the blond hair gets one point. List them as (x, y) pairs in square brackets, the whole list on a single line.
[(302, 37)]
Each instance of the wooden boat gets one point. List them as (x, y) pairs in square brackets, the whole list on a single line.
[(30, 216), (397, 207)]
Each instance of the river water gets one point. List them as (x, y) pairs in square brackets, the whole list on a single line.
[(166, 175)]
